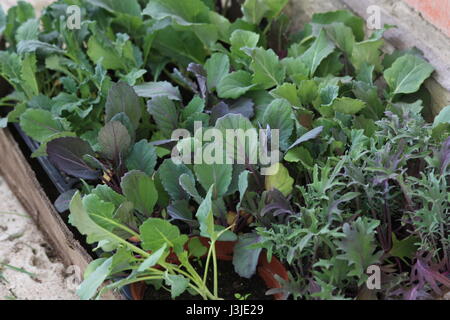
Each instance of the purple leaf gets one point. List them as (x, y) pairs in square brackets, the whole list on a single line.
[(425, 273), (63, 201), (114, 140), (445, 155), (279, 205), (200, 73), (242, 106), (67, 155)]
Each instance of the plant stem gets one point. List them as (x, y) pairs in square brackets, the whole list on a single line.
[(216, 289), (205, 275)]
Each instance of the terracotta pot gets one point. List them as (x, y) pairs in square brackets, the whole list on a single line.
[(268, 270), (224, 251)]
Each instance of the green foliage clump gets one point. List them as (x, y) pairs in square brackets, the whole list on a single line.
[(363, 179)]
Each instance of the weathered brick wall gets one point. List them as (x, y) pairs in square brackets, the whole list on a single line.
[(435, 11)]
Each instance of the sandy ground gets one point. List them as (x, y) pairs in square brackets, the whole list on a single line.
[(22, 246)]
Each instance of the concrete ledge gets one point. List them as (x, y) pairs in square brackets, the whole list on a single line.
[(435, 11), (412, 31)]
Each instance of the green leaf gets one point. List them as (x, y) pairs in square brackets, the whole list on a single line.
[(365, 74), (218, 175), (443, 117), (328, 94), (359, 144), (367, 53), (196, 248), (196, 105), (319, 50), (178, 284), (92, 266), (2, 21), (10, 68), (389, 59), (130, 7), (267, 68), (407, 74), (405, 248), (278, 115), (183, 47), (114, 140), (29, 46), (287, 91), (142, 157), (133, 76), (331, 65), (80, 219), (308, 91), (156, 233), (313, 134), (170, 173), (101, 213), (254, 10), (41, 125), (187, 182), (122, 98), (369, 94), (242, 39), (368, 125), (356, 23), (241, 147), (89, 286), (28, 30), (153, 259), (348, 105), (105, 53), (235, 84), (65, 102), (300, 154), (342, 36), (164, 113), (107, 194), (17, 15), (184, 13), (296, 69), (217, 67), (158, 89), (140, 189), (125, 214), (205, 217), (278, 178), (359, 246), (243, 184), (275, 7)]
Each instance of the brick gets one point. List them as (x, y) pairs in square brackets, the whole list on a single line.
[(435, 11)]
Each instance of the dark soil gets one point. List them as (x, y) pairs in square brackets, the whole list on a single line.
[(230, 283)]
